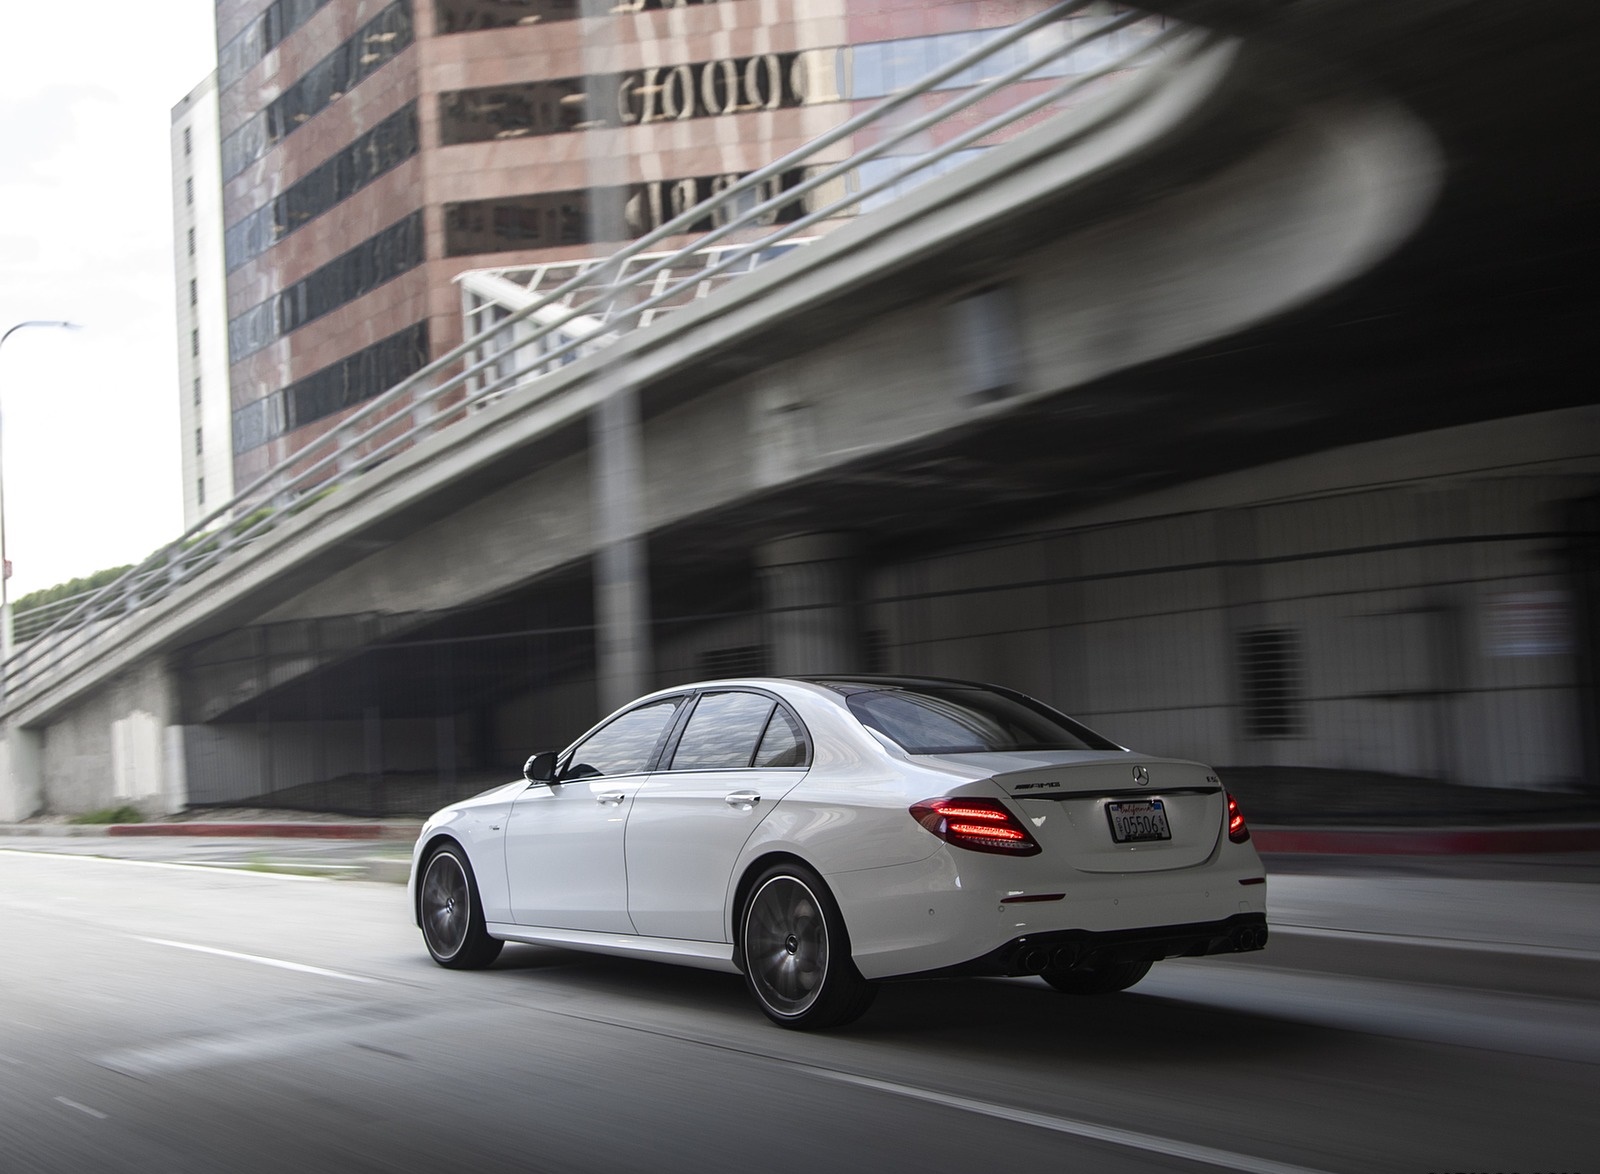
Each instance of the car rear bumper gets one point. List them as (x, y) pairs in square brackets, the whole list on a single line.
[(1074, 949)]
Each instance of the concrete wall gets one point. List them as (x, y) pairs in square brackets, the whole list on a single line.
[(243, 764), (1433, 623), (113, 748)]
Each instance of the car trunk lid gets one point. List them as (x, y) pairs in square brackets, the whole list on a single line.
[(1111, 812)]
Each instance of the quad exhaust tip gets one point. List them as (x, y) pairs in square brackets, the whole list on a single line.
[(1251, 937)]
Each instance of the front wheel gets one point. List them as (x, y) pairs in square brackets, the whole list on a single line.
[(1102, 980), (797, 954), (452, 918)]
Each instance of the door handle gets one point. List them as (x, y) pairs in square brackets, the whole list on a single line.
[(742, 799), (611, 797)]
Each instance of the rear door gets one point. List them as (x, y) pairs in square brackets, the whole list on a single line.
[(738, 754)]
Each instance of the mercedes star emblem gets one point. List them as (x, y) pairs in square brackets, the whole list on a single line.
[(1141, 775)]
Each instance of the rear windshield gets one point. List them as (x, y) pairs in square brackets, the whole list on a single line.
[(954, 719)]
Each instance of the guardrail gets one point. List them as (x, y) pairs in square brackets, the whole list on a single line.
[(35, 620), (1034, 64)]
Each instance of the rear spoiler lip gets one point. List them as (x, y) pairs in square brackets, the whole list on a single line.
[(1118, 793)]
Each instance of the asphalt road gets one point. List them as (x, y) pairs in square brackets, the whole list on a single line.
[(166, 1018)]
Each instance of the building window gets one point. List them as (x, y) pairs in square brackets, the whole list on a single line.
[(191, 242), (380, 150), (200, 490), (199, 442), (197, 391), (194, 292), (188, 190), (1270, 683), (377, 42), (340, 385), (351, 275), (188, 141), (194, 342)]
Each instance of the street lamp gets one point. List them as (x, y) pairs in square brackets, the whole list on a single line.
[(5, 563)]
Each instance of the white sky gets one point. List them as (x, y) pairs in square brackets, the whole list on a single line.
[(91, 450)]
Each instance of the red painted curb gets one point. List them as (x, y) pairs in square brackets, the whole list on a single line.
[(1430, 842), (302, 831)]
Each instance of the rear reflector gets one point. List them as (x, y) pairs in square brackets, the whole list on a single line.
[(1238, 830), (979, 825)]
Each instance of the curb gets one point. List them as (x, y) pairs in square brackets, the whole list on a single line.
[(301, 831), (1426, 841), (296, 831)]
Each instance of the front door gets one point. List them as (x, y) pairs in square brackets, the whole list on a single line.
[(564, 840)]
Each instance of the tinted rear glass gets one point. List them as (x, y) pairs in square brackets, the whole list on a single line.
[(937, 719)]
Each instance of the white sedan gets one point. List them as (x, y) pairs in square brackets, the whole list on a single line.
[(822, 834)]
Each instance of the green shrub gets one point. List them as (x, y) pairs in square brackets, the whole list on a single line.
[(127, 813), (47, 595)]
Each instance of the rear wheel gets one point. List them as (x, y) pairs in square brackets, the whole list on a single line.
[(797, 954), (1101, 980), (451, 916)]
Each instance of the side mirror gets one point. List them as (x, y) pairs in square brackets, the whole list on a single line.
[(541, 768)]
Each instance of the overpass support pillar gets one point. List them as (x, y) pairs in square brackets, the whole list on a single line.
[(621, 573), (21, 773), (808, 588)]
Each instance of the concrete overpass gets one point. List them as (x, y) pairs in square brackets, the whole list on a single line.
[(1267, 247)]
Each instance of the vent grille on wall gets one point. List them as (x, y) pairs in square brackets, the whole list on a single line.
[(1270, 675)]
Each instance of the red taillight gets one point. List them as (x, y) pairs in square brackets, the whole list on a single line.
[(981, 825), (1238, 830)]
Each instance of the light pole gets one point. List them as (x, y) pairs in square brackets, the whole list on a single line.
[(5, 563)]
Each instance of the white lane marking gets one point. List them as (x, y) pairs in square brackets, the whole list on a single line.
[(95, 1113), (300, 967), (1400, 939), (1127, 1138), (213, 869)]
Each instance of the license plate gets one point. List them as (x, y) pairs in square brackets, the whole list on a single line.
[(1138, 819)]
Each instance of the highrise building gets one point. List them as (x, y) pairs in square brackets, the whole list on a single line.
[(204, 409), (373, 152)]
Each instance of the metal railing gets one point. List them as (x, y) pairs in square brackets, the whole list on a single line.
[(26, 624), (1034, 63)]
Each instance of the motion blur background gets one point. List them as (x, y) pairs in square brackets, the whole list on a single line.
[(1232, 396)]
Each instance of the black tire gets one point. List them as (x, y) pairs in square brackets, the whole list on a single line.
[(797, 952), (1102, 980), (450, 913)]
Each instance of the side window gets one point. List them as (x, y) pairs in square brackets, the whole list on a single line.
[(784, 744), (624, 746), (722, 732)]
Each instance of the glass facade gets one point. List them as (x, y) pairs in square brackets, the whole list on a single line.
[(261, 36), (378, 42), (350, 275), (350, 381), (468, 16), (547, 219), (379, 151), (768, 81)]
